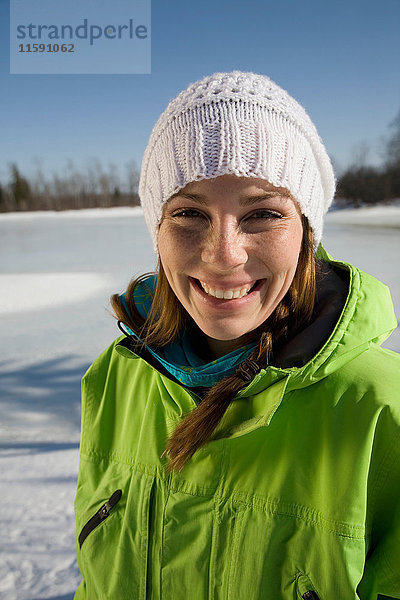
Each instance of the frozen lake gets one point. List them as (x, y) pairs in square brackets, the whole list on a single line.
[(57, 272)]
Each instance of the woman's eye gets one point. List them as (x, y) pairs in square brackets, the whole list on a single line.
[(188, 213), (265, 214)]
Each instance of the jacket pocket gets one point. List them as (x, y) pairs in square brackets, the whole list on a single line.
[(305, 589), (99, 516), (114, 556)]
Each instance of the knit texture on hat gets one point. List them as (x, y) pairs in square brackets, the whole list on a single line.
[(242, 124)]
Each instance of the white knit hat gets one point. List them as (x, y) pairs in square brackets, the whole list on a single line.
[(242, 124)]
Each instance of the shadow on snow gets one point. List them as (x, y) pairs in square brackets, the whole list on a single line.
[(48, 391)]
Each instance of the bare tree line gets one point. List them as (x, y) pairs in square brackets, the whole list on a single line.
[(362, 184), (92, 187)]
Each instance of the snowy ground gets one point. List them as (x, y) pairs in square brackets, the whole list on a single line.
[(57, 271)]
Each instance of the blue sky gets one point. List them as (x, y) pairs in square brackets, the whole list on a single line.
[(340, 59)]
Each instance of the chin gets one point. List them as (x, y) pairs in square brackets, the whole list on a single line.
[(224, 334)]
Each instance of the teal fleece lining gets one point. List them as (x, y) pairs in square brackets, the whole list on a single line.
[(180, 357)]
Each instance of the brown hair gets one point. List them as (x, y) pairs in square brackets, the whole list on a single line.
[(167, 317)]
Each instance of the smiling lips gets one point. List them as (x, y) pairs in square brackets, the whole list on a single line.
[(227, 294)]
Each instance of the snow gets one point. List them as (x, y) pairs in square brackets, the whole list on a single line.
[(377, 216), (57, 271), (46, 289), (86, 213)]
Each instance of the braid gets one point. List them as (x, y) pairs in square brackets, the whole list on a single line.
[(198, 426)]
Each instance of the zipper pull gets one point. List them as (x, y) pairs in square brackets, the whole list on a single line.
[(310, 595), (115, 498), (99, 516)]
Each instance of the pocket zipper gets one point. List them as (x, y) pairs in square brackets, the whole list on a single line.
[(310, 595), (99, 517)]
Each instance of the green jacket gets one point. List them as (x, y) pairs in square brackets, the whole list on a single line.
[(297, 495)]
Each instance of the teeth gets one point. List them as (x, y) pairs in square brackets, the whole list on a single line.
[(227, 294)]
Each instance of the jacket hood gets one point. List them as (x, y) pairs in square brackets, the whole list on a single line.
[(367, 318)]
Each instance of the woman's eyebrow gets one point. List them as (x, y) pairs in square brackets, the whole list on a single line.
[(248, 200)]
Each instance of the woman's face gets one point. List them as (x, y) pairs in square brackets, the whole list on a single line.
[(229, 247)]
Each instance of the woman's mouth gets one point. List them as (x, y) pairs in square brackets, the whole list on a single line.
[(227, 294)]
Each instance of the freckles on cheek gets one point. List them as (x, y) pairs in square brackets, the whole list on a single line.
[(279, 253), (187, 239), (179, 237)]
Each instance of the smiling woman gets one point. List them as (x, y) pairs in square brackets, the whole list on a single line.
[(241, 439), (229, 262)]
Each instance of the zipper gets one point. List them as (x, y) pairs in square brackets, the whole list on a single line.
[(99, 516), (305, 588)]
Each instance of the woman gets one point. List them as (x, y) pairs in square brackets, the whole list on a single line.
[(241, 439)]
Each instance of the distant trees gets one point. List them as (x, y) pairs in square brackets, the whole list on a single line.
[(393, 158), (96, 187), (19, 188), (393, 145), (361, 184)]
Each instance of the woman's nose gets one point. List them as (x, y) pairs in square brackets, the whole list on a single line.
[(224, 249)]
